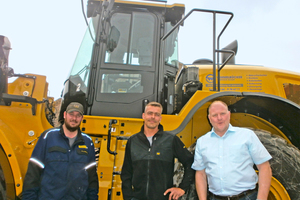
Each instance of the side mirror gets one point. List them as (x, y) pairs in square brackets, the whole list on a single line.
[(113, 39)]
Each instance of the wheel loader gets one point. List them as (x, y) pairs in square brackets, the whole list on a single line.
[(129, 57)]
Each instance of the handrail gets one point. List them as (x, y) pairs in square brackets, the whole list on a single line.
[(215, 49), (112, 121)]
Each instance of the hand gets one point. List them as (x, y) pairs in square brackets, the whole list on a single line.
[(175, 193)]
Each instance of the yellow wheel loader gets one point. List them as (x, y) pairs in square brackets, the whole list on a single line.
[(129, 57)]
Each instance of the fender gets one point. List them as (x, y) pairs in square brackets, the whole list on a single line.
[(10, 167), (274, 111)]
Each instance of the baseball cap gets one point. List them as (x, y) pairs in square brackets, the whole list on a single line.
[(75, 106)]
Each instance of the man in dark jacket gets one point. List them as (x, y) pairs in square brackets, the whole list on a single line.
[(62, 164), (148, 167)]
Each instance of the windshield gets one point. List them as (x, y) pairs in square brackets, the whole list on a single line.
[(135, 44), (81, 66)]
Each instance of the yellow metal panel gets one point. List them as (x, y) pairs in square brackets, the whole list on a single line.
[(105, 170), (247, 120), (36, 88), (20, 129), (186, 134), (95, 125), (13, 164), (248, 79), (200, 124)]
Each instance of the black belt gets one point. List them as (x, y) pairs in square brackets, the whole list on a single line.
[(233, 197)]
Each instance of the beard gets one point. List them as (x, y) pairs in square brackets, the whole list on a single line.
[(151, 125), (71, 128)]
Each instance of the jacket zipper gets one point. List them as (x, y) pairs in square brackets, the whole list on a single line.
[(148, 172)]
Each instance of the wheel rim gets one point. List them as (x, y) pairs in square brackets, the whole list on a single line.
[(277, 191)]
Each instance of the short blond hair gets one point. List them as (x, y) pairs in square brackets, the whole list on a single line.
[(154, 104)]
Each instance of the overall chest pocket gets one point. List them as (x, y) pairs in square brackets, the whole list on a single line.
[(80, 154), (163, 152), (57, 153)]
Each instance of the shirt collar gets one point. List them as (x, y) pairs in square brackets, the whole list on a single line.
[(230, 129)]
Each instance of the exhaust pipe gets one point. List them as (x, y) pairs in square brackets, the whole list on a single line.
[(233, 46)]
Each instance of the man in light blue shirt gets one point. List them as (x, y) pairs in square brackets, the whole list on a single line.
[(224, 159)]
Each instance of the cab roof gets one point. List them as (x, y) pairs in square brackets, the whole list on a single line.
[(172, 10)]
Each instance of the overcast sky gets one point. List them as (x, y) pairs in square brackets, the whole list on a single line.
[(45, 35)]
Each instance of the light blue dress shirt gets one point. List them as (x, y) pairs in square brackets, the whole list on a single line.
[(228, 160)]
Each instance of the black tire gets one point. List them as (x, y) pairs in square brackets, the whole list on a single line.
[(2, 185), (285, 162)]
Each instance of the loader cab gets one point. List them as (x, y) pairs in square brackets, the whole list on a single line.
[(119, 67)]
